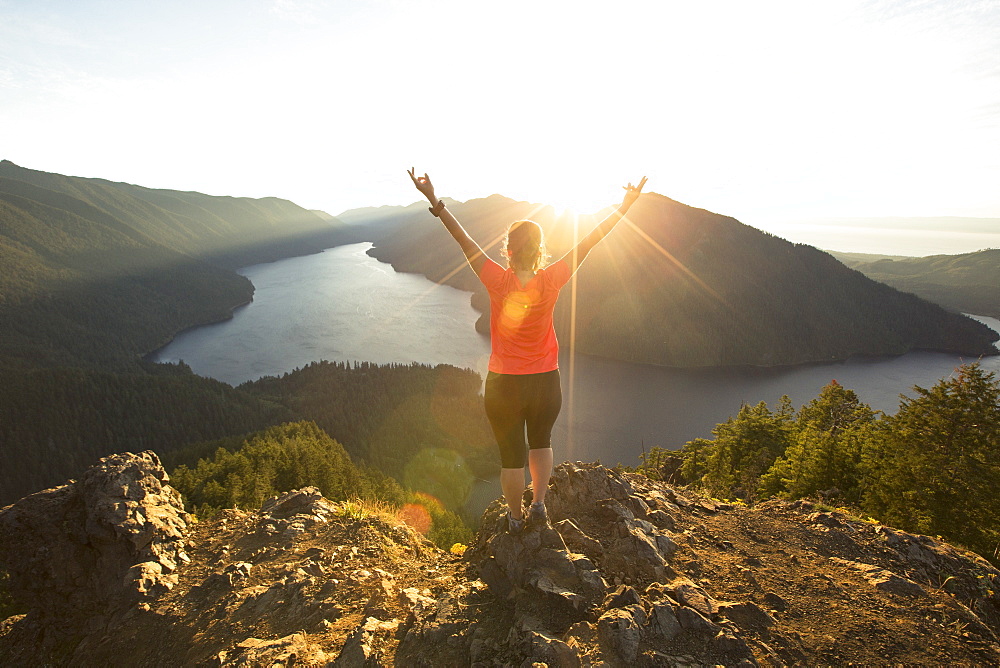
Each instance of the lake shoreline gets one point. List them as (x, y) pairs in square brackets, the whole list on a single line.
[(747, 368), (776, 368), (146, 357)]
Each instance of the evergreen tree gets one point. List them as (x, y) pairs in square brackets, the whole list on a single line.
[(938, 470), (277, 460), (695, 454), (745, 447), (824, 453), (296, 455)]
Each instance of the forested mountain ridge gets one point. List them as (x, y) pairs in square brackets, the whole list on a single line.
[(55, 421), (227, 231), (410, 421), (967, 283), (99, 273), (681, 286)]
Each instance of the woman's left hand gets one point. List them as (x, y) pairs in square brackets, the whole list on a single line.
[(632, 194), (423, 184)]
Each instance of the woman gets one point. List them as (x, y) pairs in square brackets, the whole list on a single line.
[(523, 395)]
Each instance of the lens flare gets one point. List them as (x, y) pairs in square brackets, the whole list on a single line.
[(517, 307), (415, 516)]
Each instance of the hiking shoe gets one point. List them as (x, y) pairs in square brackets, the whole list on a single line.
[(536, 514), (515, 527)]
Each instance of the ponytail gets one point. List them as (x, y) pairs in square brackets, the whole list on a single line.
[(524, 246)]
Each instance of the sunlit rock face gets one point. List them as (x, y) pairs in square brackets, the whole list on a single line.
[(627, 571), (98, 544)]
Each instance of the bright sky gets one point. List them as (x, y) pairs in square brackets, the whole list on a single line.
[(769, 111)]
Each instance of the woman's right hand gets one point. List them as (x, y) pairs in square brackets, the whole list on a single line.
[(423, 184), (632, 194)]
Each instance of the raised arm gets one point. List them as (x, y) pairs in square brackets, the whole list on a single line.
[(576, 256), (473, 253)]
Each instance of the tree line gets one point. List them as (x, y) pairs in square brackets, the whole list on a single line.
[(931, 468), (385, 414), (55, 422), (244, 472)]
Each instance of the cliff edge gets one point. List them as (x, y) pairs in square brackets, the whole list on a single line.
[(111, 570)]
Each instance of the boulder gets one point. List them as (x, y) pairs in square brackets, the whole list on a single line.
[(882, 579), (535, 565), (692, 620), (619, 631), (691, 595), (576, 489), (550, 650), (363, 646), (776, 602), (623, 596), (97, 545), (747, 615), (663, 621), (306, 501), (577, 540)]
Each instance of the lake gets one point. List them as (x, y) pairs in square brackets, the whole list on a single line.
[(344, 305)]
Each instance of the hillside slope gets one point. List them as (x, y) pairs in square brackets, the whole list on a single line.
[(632, 573), (99, 273), (226, 231), (966, 283), (685, 287)]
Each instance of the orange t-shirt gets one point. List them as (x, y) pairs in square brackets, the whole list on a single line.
[(521, 332)]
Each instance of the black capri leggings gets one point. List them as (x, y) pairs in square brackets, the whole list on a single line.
[(516, 404)]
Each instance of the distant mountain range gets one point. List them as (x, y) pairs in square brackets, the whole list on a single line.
[(100, 272), (686, 287), (967, 283), (954, 224)]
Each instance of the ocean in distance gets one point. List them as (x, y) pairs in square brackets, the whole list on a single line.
[(343, 305)]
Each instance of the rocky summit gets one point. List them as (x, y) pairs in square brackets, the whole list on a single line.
[(110, 570)]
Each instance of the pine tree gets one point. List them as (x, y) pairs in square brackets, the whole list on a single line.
[(938, 470), (825, 452), (745, 447), (696, 453)]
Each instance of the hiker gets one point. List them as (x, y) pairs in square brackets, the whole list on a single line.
[(523, 395)]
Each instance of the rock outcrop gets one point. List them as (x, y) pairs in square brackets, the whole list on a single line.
[(113, 539), (633, 572), (630, 572)]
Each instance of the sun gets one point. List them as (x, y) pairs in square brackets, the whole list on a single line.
[(576, 201)]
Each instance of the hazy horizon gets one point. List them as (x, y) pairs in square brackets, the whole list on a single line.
[(915, 236), (904, 236), (908, 237), (771, 112)]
